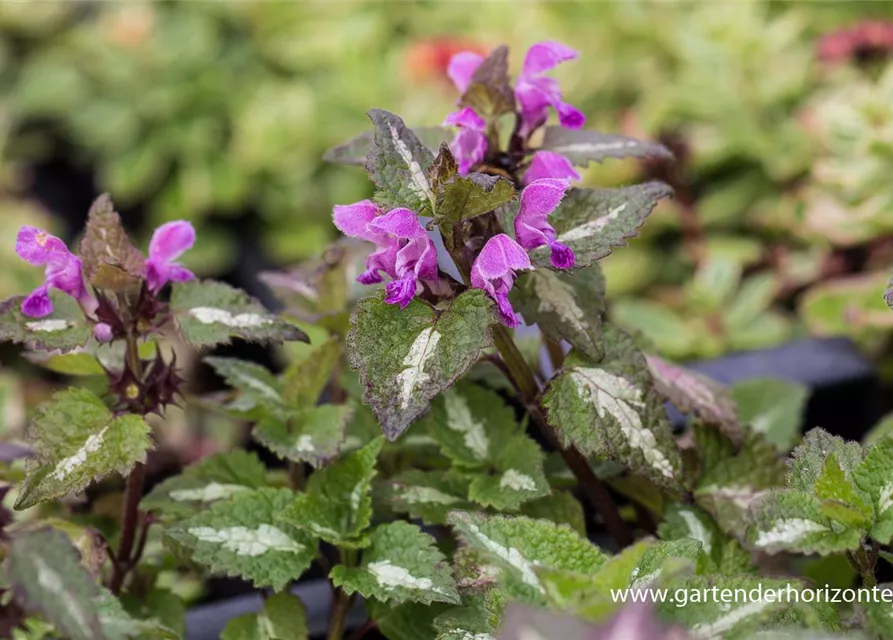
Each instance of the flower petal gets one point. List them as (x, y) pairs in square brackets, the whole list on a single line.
[(541, 197), (401, 223), (544, 56), (462, 67), (548, 164), (171, 240), (469, 147), (38, 304), (465, 118), (569, 117), (498, 258), (353, 220), (401, 291), (38, 247)]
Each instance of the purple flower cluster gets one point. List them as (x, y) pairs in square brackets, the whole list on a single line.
[(64, 270), (404, 252)]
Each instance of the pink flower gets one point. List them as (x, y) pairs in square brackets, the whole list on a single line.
[(536, 93), (405, 252), (462, 67), (63, 272), (103, 332), (548, 164), (470, 144), (168, 243), (539, 199), (494, 271)]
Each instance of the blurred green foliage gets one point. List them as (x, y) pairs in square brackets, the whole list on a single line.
[(219, 112)]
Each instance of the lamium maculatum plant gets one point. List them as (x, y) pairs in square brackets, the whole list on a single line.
[(465, 485)]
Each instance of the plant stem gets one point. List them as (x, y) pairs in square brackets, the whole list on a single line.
[(596, 493), (124, 560), (338, 619)]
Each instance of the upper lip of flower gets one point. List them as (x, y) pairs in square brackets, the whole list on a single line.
[(169, 242)]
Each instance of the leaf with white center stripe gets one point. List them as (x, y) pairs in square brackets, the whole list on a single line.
[(520, 545), (398, 164), (585, 145), (592, 222), (337, 505), (209, 313), (874, 476), (76, 441), (66, 328), (355, 150), (260, 392), (407, 356), (691, 392), (742, 618), (723, 554), (313, 435), (516, 476), (610, 409), (792, 520), (402, 564), (566, 305), (471, 424), (283, 616), (731, 479), (218, 477), (46, 574), (243, 537), (427, 495)]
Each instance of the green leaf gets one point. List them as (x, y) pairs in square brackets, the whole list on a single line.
[(355, 150), (427, 495), (158, 606), (466, 197), (218, 477), (592, 222), (407, 356), (409, 621), (609, 409), (105, 242), (584, 146), (739, 618), (283, 617), (490, 91), (476, 619), (841, 501), (402, 564), (242, 537), (118, 624), (471, 424), (209, 313), (66, 328), (808, 459), (45, 571), (398, 163), (516, 477), (561, 508), (693, 393), (879, 614), (731, 480), (725, 554), (874, 476), (792, 520), (313, 435), (772, 406), (336, 505), (566, 305), (664, 562), (305, 380), (259, 389), (587, 595), (77, 440), (519, 544)]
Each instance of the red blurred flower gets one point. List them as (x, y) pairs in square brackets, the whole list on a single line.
[(865, 40), (427, 60)]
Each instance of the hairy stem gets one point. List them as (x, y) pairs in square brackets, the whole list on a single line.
[(596, 493), (341, 601), (125, 560)]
